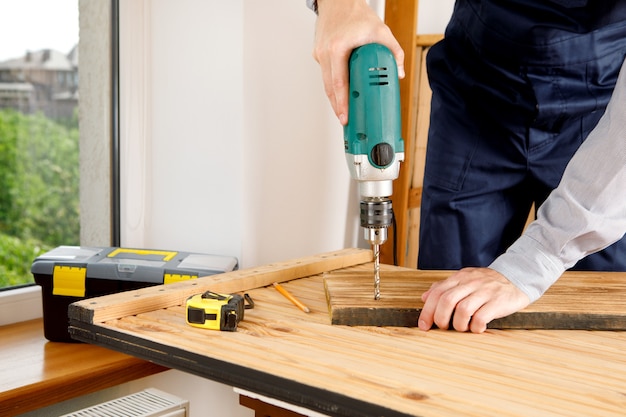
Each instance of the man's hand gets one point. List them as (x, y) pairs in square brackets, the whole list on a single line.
[(475, 296), (343, 25)]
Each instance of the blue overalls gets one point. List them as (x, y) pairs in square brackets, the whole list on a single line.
[(517, 86)]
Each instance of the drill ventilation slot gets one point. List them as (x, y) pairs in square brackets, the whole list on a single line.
[(377, 78)]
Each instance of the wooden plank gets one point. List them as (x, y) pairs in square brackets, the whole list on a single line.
[(280, 352), (420, 139), (579, 300), (428, 39), (350, 301), (422, 115), (114, 306), (264, 337), (401, 17), (415, 198)]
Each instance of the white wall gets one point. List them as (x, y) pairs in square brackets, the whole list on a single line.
[(232, 147), (433, 15), (296, 183), (229, 144), (182, 124)]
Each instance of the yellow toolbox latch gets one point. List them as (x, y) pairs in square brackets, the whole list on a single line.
[(69, 280), (171, 278)]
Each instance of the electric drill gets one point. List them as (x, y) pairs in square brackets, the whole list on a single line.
[(373, 140)]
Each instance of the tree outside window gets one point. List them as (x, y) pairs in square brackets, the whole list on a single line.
[(39, 171)]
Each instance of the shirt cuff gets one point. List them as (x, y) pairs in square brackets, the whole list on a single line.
[(529, 267)]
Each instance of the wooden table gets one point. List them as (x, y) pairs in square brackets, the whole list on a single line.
[(283, 353), (35, 373)]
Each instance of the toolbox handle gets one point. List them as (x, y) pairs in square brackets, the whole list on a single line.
[(167, 255)]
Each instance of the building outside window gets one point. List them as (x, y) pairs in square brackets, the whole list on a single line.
[(39, 170)]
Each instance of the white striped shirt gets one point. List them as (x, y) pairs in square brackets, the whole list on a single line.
[(584, 214)]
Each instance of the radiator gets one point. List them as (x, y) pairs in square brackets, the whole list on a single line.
[(147, 403)]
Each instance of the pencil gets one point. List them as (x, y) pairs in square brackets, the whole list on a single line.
[(290, 297)]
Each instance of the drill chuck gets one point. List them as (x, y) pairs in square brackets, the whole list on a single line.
[(376, 217)]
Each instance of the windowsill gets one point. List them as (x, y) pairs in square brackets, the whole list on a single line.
[(21, 304), (35, 373)]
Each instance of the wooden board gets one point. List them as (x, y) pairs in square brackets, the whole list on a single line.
[(99, 309), (579, 300), (280, 352)]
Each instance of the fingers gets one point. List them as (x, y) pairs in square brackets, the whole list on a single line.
[(432, 305), (339, 85), (469, 314), (342, 26), (336, 79), (469, 300), (334, 66), (339, 80), (397, 52)]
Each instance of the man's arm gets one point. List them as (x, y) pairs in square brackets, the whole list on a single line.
[(583, 215)]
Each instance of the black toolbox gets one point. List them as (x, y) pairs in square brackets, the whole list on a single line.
[(71, 273)]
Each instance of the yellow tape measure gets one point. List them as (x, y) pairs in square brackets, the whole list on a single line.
[(211, 310)]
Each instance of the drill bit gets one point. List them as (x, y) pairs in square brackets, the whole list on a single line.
[(376, 248)]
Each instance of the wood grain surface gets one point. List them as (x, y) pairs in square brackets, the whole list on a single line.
[(281, 352), (99, 309), (579, 300), (35, 373)]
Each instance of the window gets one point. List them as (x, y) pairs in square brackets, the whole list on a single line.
[(39, 136)]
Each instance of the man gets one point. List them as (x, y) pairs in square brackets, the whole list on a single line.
[(517, 87)]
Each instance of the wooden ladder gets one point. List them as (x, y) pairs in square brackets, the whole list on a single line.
[(401, 17)]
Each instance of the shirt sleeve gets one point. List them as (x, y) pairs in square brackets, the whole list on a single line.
[(584, 214), (312, 4)]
